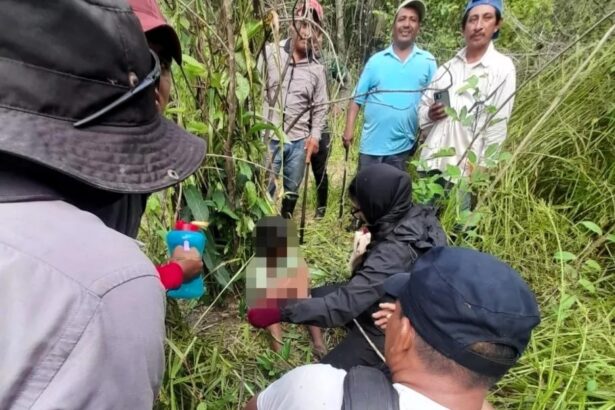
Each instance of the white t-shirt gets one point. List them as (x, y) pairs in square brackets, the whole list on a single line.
[(321, 386)]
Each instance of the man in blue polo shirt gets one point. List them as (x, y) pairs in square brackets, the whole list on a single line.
[(389, 88)]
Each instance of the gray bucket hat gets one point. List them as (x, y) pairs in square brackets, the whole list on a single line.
[(77, 84)]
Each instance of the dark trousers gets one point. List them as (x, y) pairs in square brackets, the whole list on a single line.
[(399, 161), (319, 169), (354, 349)]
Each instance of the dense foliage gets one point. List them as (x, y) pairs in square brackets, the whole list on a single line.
[(547, 206)]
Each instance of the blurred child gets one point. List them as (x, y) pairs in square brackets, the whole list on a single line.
[(278, 275)]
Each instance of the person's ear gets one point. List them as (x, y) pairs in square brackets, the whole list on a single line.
[(407, 334), (158, 99)]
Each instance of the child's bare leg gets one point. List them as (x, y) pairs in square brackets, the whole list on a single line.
[(320, 350), (276, 336)]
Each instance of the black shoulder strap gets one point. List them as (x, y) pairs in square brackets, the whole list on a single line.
[(367, 388)]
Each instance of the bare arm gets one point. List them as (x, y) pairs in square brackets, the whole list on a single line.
[(251, 404), (351, 117)]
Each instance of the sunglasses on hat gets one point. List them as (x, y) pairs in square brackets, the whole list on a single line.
[(151, 78)]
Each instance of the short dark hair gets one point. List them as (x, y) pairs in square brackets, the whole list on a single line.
[(437, 363), (498, 18)]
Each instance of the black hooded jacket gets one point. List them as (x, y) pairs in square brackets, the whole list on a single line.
[(401, 232)]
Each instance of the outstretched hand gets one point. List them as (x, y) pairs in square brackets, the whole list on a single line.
[(262, 318), (381, 317)]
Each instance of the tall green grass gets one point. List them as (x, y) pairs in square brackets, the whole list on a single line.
[(550, 213)]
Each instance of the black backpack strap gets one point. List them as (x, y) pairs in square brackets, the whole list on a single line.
[(367, 388)]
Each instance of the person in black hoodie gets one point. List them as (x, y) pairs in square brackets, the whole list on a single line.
[(400, 232)]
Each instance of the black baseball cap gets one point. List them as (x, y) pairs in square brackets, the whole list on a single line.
[(456, 297)]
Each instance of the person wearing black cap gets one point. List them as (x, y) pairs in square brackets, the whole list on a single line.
[(184, 265), (462, 320), (82, 307)]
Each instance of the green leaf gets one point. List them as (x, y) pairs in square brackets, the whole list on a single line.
[(471, 83), (472, 158), (491, 109), (566, 303), (491, 150), (463, 114), (592, 385), (445, 152), (192, 66), (435, 189), (212, 262), (184, 22), (244, 169), (451, 113), (246, 50), (452, 171), (564, 256), (285, 352), (467, 121), (202, 406), (593, 265), (316, 273), (505, 156), (250, 190), (197, 127), (592, 227), (153, 203), (228, 211), (611, 237), (242, 89), (587, 285), (195, 202), (253, 28), (473, 219), (261, 126), (264, 206), (174, 110), (219, 199)]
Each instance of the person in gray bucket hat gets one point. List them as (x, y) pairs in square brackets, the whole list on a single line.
[(82, 322)]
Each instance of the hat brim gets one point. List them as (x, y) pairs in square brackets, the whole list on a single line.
[(150, 23), (396, 284), (137, 159)]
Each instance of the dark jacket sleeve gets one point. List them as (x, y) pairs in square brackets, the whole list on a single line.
[(362, 291)]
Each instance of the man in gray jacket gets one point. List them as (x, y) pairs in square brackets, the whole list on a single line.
[(295, 100), (82, 323)]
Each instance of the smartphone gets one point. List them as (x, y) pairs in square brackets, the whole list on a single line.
[(442, 97)]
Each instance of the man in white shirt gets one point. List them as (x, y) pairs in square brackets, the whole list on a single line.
[(478, 80), (462, 319)]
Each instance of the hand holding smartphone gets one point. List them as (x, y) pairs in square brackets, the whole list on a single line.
[(442, 97), (441, 101)]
